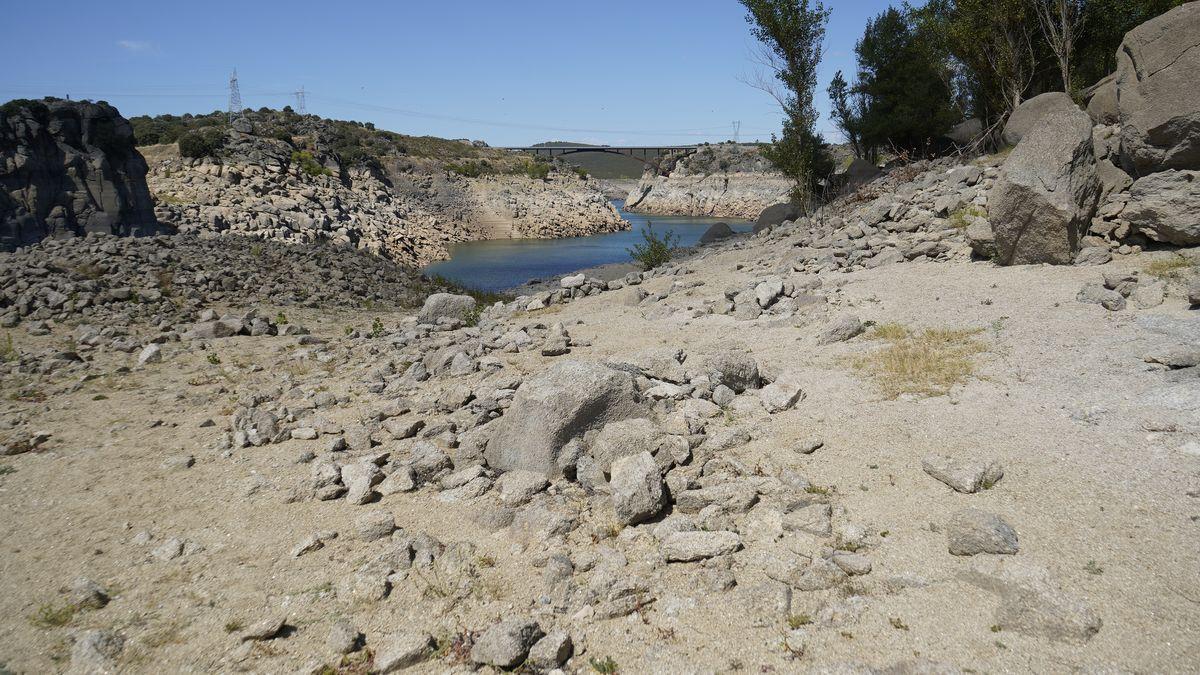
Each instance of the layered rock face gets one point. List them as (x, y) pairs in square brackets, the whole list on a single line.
[(725, 181), (406, 211), (1157, 96), (68, 168)]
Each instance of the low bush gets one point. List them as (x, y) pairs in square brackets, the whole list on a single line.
[(308, 164), (654, 250), (203, 142)]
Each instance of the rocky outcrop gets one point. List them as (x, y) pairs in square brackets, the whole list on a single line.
[(1031, 112), (724, 181), (1165, 206), (68, 168), (1046, 193), (405, 210), (1157, 96)]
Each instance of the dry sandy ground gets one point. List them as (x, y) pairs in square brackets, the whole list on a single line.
[(1099, 495)]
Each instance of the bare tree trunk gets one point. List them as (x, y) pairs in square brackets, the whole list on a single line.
[(1060, 21)]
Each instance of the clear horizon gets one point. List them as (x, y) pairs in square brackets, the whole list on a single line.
[(507, 73)]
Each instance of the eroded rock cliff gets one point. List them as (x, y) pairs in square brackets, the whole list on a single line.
[(68, 168), (725, 181)]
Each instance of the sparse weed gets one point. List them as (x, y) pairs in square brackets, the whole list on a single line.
[(7, 351), (959, 219), (377, 328), (281, 319), (233, 626), (1092, 567), (1175, 267), (795, 621), (605, 666), (928, 363), (214, 359), (898, 623), (49, 616)]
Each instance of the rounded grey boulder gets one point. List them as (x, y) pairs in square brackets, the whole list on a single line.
[(446, 305), (716, 232)]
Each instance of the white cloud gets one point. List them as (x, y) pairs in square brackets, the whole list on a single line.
[(134, 45)]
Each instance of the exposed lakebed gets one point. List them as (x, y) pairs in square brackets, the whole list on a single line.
[(499, 264)]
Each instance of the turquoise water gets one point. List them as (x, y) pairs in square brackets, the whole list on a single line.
[(499, 264)]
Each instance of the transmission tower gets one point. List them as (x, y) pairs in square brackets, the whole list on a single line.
[(737, 127), (235, 97), (300, 107)]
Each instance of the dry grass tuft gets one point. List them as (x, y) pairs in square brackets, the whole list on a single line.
[(1174, 267), (927, 363)]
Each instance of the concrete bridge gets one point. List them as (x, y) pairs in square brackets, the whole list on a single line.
[(648, 154)]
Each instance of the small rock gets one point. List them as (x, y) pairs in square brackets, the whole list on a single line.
[(95, 653), (692, 546), (401, 650), (265, 629), (506, 644), (637, 489), (964, 475), (343, 638), (88, 594), (972, 531), (1097, 294), (781, 394), (375, 524), (841, 329), (550, 652), (151, 353), (518, 487)]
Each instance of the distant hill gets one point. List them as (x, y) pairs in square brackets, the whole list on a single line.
[(599, 164)]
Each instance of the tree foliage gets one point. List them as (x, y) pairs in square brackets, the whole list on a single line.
[(905, 95), (1001, 52), (790, 33)]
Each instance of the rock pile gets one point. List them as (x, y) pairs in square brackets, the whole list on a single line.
[(163, 279)]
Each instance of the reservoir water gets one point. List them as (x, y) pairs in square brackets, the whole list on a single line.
[(499, 264)]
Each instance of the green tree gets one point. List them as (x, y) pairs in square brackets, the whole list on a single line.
[(791, 32), (847, 112), (907, 101), (994, 45), (1104, 25)]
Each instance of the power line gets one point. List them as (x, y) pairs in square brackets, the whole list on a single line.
[(517, 125), (300, 106)]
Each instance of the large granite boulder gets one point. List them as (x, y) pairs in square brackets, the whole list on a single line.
[(554, 407), (776, 214), (1031, 112), (1157, 94), (966, 132), (1046, 193), (1101, 101), (1165, 206), (68, 168)]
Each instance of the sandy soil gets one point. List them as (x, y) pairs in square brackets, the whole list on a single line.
[(1099, 494)]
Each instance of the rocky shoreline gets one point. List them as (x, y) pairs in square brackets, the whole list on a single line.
[(723, 181)]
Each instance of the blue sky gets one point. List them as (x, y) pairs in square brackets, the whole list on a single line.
[(510, 72)]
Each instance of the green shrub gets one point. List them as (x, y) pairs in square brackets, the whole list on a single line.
[(654, 250), (308, 164), (203, 142), (470, 168), (536, 170)]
